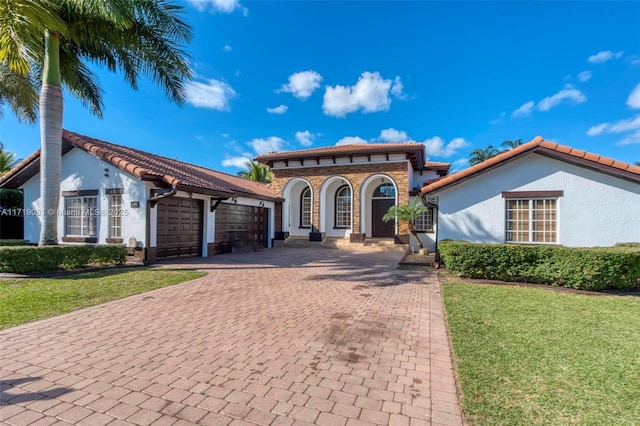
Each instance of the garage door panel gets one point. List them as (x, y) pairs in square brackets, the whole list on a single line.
[(179, 227)]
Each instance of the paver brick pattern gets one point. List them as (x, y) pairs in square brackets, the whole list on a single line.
[(277, 337)]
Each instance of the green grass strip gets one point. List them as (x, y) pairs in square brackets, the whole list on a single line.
[(534, 357), (25, 300)]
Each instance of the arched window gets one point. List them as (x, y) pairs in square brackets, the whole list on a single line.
[(305, 208), (343, 207), (386, 190)]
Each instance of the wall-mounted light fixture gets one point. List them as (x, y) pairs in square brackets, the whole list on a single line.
[(106, 172), (261, 203)]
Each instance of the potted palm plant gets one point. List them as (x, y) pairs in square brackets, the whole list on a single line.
[(408, 213)]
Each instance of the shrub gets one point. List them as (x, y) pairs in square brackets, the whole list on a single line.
[(13, 243), (27, 259), (578, 268)]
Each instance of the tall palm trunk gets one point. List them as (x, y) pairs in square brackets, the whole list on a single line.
[(51, 140)]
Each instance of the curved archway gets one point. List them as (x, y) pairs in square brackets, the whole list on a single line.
[(371, 210), (330, 204), (296, 220)]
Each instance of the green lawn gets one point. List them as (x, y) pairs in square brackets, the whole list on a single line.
[(529, 356), (24, 300)]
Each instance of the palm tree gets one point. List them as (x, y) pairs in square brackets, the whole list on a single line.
[(479, 155), (256, 171), (511, 144), (17, 90), (57, 40), (637, 163), (408, 213), (8, 160)]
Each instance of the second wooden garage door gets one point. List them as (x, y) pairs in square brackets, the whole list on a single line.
[(179, 227)]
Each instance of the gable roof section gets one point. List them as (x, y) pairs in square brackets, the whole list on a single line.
[(543, 147), (160, 170), (414, 151)]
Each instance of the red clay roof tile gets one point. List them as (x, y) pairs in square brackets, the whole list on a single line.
[(537, 144), (147, 166)]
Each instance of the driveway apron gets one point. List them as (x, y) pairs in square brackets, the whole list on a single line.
[(277, 337)]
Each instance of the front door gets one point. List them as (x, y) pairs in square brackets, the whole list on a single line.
[(379, 208)]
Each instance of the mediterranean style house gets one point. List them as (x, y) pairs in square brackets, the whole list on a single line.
[(537, 193)]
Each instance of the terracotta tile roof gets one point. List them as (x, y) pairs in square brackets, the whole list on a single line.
[(413, 149), (437, 165), (152, 167), (541, 146)]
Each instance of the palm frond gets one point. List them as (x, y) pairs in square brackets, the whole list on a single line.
[(22, 28), (20, 92)]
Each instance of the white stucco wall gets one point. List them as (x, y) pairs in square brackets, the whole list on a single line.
[(291, 207), (595, 210), (82, 171), (417, 179)]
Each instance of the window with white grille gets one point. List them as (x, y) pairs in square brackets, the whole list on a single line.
[(531, 221), (343, 207)]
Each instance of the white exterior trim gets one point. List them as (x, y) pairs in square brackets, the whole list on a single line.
[(327, 207)]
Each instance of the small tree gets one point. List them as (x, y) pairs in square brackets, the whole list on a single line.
[(408, 213), (9, 198), (479, 155), (256, 171)]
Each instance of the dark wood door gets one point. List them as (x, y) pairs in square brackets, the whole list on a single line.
[(378, 227), (179, 227)]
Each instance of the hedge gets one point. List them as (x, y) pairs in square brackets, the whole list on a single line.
[(13, 243), (577, 268), (29, 259)]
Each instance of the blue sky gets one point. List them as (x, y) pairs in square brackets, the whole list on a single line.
[(275, 76)]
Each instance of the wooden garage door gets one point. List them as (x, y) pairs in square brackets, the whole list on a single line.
[(242, 225), (179, 227)]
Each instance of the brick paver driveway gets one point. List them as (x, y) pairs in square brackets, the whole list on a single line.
[(279, 337)]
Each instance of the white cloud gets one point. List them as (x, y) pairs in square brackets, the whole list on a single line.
[(214, 94), (224, 6), (239, 162), (227, 48), (397, 88), (459, 164), (620, 126), (302, 84), (280, 109), (597, 129), (524, 110), (265, 146), (350, 140), (632, 139), (604, 56), (634, 98), (568, 93), (584, 76), (393, 135), (437, 147), (305, 138), (370, 94)]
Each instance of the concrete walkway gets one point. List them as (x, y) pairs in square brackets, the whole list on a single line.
[(280, 337)]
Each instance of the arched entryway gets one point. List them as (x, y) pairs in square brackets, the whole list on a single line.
[(384, 196), (336, 214), (297, 209), (379, 192)]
